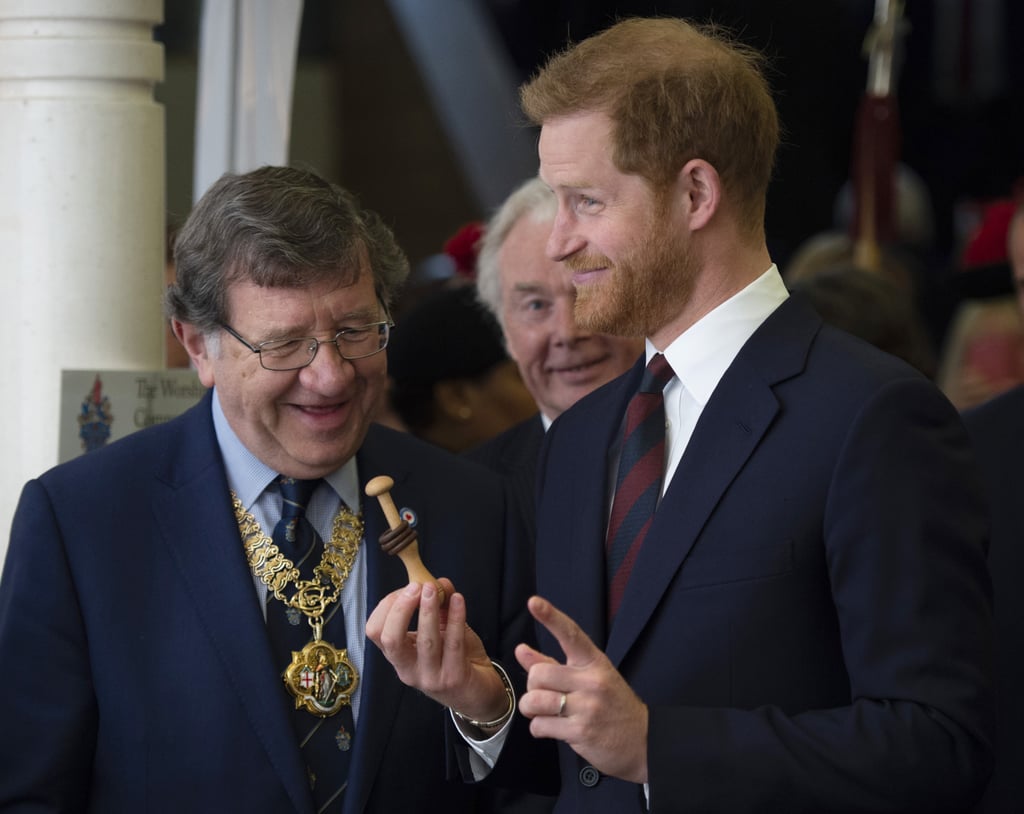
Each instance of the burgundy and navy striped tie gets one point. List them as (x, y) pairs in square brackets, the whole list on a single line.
[(638, 486)]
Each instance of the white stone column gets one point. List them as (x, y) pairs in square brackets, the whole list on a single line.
[(81, 211)]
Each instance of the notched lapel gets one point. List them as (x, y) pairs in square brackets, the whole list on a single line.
[(574, 553), (382, 691), (733, 423), (203, 541)]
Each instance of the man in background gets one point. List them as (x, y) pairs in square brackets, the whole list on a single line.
[(533, 301), (997, 429)]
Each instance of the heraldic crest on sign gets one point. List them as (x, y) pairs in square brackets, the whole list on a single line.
[(95, 418)]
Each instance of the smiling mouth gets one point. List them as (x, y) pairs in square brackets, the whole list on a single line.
[(586, 275), (580, 368), (321, 414), (585, 268)]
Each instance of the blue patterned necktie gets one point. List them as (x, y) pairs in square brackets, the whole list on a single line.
[(638, 485), (325, 743)]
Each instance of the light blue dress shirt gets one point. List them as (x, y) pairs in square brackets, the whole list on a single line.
[(249, 477)]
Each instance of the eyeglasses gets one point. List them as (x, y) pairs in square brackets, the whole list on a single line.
[(299, 352)]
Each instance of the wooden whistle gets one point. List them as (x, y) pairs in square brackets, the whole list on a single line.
[(408, 549)]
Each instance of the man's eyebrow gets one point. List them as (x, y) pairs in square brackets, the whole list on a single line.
[(366, 315), (349, 320)]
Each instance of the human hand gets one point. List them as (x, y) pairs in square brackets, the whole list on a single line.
[(585, 702), (442, 658)]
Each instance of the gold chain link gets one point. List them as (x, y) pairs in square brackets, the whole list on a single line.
[(277, 572)]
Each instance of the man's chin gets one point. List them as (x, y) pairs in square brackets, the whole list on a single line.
[(614, 321), (594, 312)]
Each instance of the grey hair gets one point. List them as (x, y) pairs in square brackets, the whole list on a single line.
[(281, 227), (533, 198)]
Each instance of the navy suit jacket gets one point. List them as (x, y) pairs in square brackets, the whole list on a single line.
[(137, 674), (997, 428), (513, 454), (809, 619)]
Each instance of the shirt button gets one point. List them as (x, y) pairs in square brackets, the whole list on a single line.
[(589, 776)]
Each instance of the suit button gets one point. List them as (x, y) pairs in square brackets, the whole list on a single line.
[(589, 776)]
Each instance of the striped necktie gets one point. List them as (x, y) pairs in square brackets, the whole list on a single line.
[(325, 743), (638, 485)]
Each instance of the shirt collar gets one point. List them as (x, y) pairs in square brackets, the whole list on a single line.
[(248, 476), (702, 353)]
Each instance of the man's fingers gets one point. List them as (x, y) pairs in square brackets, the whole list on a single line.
[(393, 638), (528, 657), (576, 645), (428, 629), (447, 586), (545, 704), (454, 622), (378, 617), (375, 621)]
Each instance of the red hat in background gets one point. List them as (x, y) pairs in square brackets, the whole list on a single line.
[(987, 244), (463, 248)]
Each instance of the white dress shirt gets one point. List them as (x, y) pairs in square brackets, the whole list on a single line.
[(701, 355)]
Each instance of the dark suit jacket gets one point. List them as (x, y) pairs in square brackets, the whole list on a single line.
[(137, 674), (809, 619), (997, 428), (513, 454)]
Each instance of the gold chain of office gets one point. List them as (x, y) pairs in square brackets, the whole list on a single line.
[(320, 676)]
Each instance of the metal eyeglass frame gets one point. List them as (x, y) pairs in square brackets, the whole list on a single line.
[(383, 329)]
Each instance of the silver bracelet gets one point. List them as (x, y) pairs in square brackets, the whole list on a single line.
[(497, 722)]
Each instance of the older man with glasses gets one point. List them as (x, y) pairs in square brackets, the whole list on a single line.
[(182, 613)]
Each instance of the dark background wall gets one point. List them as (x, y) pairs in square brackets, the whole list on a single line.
[(363, 114)]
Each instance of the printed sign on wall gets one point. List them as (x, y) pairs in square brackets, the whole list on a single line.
[(99, 407)]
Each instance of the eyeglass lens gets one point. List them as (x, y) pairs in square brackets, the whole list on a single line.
[(352, 343)]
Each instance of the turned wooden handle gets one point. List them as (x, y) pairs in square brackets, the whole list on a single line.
[(380, 488)]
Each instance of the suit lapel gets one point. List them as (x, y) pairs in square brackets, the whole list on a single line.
[(730, 428), (202, 538), (734, 421), (590, 433), (381, 690)]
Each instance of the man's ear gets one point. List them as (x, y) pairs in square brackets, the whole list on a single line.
[(700, 189), (194, 342)]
